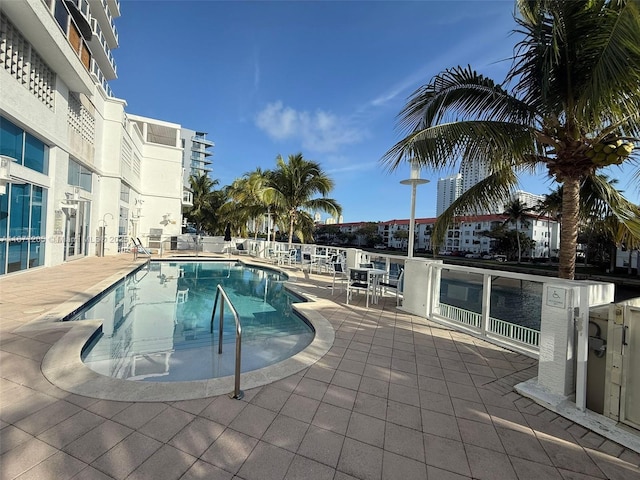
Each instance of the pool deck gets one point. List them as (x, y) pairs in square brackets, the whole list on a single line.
[(396, 397)]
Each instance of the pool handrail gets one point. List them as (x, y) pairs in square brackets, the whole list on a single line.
[(237, 393)]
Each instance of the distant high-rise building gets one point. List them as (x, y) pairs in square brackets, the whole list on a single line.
[(449, 188), (472, 173), (195, 157)]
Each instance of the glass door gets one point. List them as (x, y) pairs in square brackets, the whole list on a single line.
[(77, 227)]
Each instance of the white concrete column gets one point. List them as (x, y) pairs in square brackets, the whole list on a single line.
[(556, 361)]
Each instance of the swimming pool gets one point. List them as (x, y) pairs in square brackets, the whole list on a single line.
[(156, 322)]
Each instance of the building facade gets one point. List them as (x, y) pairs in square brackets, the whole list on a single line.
[(195, 159), (448, 189), (78, 175)]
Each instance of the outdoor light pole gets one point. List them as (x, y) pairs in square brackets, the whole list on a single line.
[(414, 181)]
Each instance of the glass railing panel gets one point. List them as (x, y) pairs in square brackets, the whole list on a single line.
[(463, 291), (516, 301)]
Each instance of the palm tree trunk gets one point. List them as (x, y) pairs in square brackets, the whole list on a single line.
[(569, 229), (518, 239), (291, 224)]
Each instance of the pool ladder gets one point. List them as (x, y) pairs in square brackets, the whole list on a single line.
[(237, 393)]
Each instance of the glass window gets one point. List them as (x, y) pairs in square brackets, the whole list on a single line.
[(79, 176), (124, 193), (3, 257), (73, 174), (10, 140), (85, 179), (35, 154), (4, 213), (19, 220), (38, 211), (62, 15), (18, 252), (36, 253)]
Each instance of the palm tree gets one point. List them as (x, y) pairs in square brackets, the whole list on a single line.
[(291, 188), (517, 211), (246, 201), (573, 109), (550, 207), (201, 186)]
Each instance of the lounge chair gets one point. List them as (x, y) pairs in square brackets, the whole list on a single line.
[(241, 250), (141, 248)]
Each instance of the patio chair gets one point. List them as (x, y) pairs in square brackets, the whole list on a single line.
[(396, 284), (360, 281), (308, 261), (338, 274), (138, 244)]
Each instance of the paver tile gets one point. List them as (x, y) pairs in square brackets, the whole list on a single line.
[(266, 462), (302, 468), (126, 456), (361, 460), (321, 445), (488, 464), (167, 463), (164, 426), (286, 432), (332, 418), (197, 436), (230, 450), (98, 441)]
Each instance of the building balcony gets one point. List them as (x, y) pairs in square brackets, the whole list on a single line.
[(197, 159), (202, 140), (99, 78), (101, 52), (187, 198), (100, 11), (114, 7), (79, 10), (199, 149)]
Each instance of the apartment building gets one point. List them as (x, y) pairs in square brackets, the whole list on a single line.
[(78, 175), (195, 159), (465, 234)]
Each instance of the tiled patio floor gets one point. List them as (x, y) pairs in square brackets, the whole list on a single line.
[(397, 397)]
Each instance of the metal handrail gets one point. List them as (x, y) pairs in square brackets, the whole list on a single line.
[(237, 393)]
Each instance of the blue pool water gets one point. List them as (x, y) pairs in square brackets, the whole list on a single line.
[(156, 322)]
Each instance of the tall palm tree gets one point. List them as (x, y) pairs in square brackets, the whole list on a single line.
[(201, 187), (574, 109), (517, 211), (550, 207), (291, 189), (246, 201)]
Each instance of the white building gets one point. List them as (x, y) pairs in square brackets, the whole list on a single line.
[(448, 189), (79, 175), (195, 158)]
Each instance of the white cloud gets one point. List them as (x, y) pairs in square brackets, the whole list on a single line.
[(319, 131)]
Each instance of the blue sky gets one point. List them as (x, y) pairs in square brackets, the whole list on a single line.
[(326, 79)]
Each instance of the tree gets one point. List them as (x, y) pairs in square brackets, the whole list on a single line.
[(291, 188), (573, 109), (247, 200), (369, 231), (402, 235), (516, 211), (551, 208), (203, 200)]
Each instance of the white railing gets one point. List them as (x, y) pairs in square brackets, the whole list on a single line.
[(460, 315), (514, 332)]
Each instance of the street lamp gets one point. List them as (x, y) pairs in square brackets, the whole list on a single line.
[(414, 181)]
